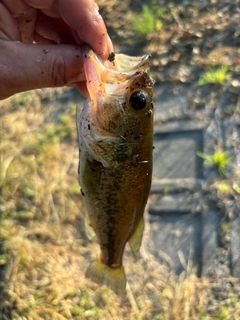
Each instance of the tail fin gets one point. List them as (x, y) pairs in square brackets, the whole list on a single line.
[(114, 278)]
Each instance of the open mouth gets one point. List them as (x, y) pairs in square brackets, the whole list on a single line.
[(112, 76)]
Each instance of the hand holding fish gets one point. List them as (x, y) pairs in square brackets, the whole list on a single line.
[(27, 65)]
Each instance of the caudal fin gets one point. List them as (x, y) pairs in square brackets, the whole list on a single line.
[(114, 278)]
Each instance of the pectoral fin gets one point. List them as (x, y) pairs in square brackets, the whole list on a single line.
[(136, 239), (110, 151), (90, 175)]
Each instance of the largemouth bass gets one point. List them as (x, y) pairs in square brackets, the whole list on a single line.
[(115, 129)]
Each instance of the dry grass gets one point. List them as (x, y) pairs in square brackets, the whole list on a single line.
[(44, 249)]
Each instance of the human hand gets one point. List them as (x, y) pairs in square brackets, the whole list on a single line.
[(59, 28)]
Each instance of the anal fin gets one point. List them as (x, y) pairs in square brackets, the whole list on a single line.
[(136, 239), (88, 228)]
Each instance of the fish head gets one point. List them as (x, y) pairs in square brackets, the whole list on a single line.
[(119, 109)]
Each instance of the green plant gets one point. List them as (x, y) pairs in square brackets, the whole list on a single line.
[(224, 187), (219, 159), (3, 259), (22, 98), (213, 75), (222, 316), (226, 228), (147, 21), (159, 316)]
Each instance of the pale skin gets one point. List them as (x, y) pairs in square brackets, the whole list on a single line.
[(40, 43)]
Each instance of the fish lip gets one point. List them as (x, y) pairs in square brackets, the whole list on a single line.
[(121, 69)]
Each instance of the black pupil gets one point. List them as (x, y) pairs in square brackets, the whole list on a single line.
[(138, 100)]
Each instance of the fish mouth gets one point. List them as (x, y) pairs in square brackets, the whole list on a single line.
[(111, 77)]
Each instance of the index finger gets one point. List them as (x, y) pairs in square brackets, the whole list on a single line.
[(83, 16)]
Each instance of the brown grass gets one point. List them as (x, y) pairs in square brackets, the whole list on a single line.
[(44, 248)]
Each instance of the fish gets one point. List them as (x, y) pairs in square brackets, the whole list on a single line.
[(115, 133)]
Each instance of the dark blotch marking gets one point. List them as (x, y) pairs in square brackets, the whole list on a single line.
[(82, 193), (135, 159), (111, 57), (138, 136), (137, 73), (150, 113)]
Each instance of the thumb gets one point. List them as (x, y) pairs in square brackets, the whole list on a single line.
[(32, 66)]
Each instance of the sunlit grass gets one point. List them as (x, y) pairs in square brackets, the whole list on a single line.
[(219, 159), (148, 20), (214, 75)]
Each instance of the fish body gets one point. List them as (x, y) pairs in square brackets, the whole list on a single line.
[(115, 129)]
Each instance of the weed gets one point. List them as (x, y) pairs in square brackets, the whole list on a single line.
[(226, 227), (3, 259), (235, 302), (75, 310), (219, 159), (224, 187), (166, 190), (148, 21), (22, 98), (159, 316), (215, 76), (74, 188)]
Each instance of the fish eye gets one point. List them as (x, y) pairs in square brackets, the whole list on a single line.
[(138, 100)]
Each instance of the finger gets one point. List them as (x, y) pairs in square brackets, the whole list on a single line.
[(48, 7), (54, 29), (25, 17), (52, 12), (82, 88), (8, 25), (84, 17), (40, 39), (41, 4), (17, 8), (26, 23), (37, 66)]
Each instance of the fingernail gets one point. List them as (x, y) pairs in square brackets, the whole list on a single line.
[(109, 45)]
